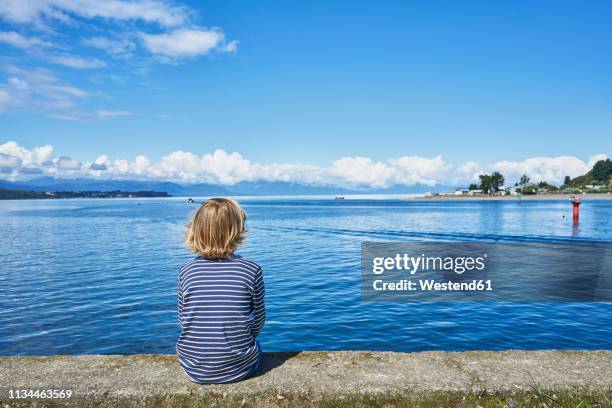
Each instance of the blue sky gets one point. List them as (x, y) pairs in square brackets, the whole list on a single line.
[(310, 83)]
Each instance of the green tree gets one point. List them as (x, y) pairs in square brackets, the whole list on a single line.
[(485, 183), (602, 170), (473, 186), (529, 189), (497, 181), (524, 180)]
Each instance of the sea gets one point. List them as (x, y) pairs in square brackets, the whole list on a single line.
[(98, 276)]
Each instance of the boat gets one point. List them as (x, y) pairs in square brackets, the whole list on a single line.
[(339, 198)]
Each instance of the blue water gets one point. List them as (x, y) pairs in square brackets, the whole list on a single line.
[(98, 276)]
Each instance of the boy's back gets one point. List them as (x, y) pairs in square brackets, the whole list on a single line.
[(221, 311)]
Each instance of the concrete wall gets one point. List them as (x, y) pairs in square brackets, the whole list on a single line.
[(312, 374)]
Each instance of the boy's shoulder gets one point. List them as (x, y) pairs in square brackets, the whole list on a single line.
[(253, 266), (188, 265)]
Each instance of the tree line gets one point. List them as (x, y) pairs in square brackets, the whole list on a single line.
[(601, 175)]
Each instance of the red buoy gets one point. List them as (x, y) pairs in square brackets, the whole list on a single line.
[(576, 205)]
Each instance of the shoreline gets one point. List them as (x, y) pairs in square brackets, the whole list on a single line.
[(359, 378), (538, 197), (346, 198)]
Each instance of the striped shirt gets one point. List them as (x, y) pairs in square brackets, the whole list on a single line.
[(221, 311)]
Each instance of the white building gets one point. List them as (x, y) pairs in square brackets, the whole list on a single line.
[(512, 190)]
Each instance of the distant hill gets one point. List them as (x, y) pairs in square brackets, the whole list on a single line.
[(27, 195), (76, 185), (21, 195), (49, 184), (601, 173)]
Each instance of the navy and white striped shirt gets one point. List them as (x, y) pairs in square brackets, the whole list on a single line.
[(221, 311)]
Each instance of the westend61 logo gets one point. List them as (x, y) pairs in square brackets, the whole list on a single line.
[(472, 271)]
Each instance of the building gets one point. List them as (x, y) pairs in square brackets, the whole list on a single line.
[(512, 191)]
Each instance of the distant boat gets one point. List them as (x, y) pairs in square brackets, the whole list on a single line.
[(339, 198), (190, 200)]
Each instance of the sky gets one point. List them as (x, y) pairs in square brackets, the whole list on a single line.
[(358, 93)]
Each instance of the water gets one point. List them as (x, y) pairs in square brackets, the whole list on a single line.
[(98, 276)]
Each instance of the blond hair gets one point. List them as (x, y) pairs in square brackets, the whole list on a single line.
[(217, 228)]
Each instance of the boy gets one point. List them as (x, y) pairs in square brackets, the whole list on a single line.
[(220, 298)]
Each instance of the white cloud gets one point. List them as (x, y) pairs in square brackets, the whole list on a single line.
[(549, 169), (184, 39), (87, 117), (102, 163), (38, 11), (221, 167), (18, 83), (9, 162), (110, 113), (121, 48), (187, 43), (406, 170), (140, 165), (120, 168), (5, 100), (68, 117), (66, 163), (68, 90), (465, 173), (293, 173), (38, 156), (418, 170), (73, 61), (227, 168), (42, 154), (217, 167), (594, 159), (158, 30), (231, 46), (38, 89), (17, 40), (362, 171)]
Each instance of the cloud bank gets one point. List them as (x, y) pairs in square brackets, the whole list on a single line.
[(220, 167)]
